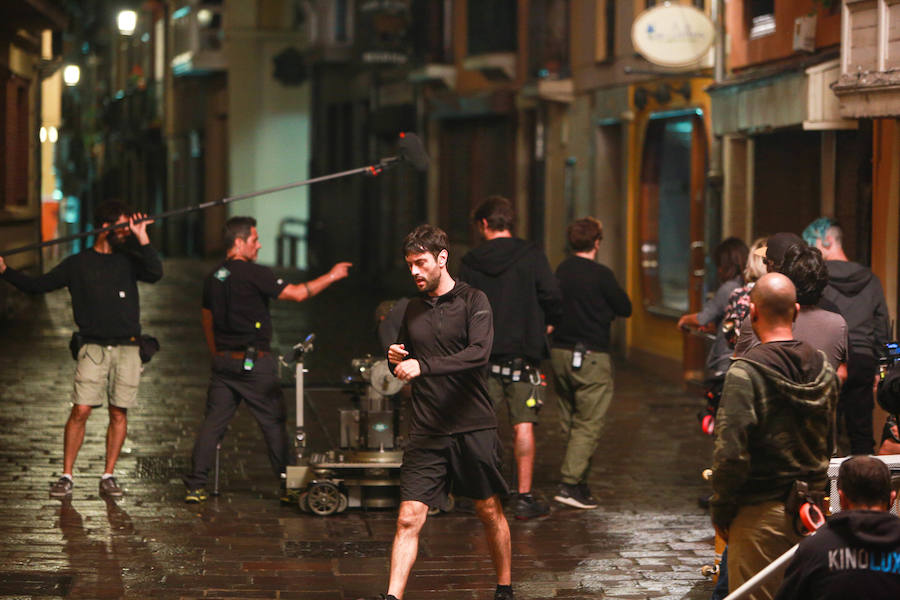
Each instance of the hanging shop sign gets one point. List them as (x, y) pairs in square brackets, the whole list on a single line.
[(673, 35)]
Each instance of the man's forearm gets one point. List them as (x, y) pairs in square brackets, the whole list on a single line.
[(208, 332)]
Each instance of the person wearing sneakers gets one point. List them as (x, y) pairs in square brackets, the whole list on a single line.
[(517, 279), (238, 329), (102, 281), (442, 350), (579, 354)]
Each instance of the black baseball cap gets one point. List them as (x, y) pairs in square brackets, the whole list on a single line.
[(777, 245)]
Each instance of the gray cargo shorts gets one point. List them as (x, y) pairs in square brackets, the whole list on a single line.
[(109, 373)]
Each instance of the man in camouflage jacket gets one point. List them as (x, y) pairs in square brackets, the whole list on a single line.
[(774, 426)]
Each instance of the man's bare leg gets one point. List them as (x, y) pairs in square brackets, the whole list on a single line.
[(523, 448), (74, 435), (406, 544), (115, 435), (496, 528)]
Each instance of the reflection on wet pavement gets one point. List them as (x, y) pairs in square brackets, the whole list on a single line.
[(647, 539)]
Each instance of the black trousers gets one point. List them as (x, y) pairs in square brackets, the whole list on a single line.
[(228, 385), (857, 402)]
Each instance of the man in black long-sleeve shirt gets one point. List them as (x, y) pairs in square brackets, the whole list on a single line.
[(582, 367), (443, 349), (102, 281), (525, 298)]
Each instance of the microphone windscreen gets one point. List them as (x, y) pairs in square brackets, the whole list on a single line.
[(412, 151)]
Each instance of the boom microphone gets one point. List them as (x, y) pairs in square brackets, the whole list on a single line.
[(412, 150), (409, 147)]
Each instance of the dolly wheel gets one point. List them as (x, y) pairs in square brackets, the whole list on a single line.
[(324, 498), (303, 501), (343, 504)]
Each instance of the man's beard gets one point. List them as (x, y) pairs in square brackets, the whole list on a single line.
[(116, 240), (432, 281)]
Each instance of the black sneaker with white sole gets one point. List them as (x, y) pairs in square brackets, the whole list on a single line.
[(527, 507), (578, 496)]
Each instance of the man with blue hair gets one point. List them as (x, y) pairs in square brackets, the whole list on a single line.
[(858, 294)]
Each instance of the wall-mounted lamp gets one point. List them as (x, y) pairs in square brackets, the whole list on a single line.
[(49, 134), (127, 22), (71, 75)]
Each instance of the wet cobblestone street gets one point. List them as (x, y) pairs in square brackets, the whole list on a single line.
[(647, 539)]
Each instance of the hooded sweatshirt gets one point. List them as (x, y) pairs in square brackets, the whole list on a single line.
[(774, 426), (855, 555), (857, 293), (523, 293)]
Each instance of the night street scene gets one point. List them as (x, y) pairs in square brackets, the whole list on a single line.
[(449, 299)]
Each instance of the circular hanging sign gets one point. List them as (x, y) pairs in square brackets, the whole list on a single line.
[(673, 35)]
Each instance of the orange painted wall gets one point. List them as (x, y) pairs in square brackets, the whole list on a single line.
[(745, 52)]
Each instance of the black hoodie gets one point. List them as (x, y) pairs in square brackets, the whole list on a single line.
[(855, 555), (523, 292), (858, 295)]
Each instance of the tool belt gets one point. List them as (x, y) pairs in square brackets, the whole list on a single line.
[(515, 370), (147, 344), (519, 370)]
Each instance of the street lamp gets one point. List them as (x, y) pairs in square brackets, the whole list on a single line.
[(71, 75), (127, 22)]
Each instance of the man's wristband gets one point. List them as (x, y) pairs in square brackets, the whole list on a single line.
[(308, 290)]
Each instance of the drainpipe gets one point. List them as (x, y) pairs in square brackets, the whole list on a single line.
[(715, 174), (718, 17)]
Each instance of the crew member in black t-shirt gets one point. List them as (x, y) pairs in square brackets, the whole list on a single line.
[(580, 357), (102, 281), (238, 330), (443, 349)]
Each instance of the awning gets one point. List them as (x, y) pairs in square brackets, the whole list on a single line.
[(799, 95)]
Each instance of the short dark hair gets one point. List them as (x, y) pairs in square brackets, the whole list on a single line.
[(109, 212), (777, 246), (805, 266), (498, 211), (237, 227), (583, 233), (865, 481), (731, 257), (425, 238)]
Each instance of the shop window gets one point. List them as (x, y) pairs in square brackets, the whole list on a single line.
[(666, 191), (492, 27), (761, 17), (431, 30), (605, 48), (549, 38)]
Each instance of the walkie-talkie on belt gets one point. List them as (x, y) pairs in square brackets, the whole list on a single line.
[(249, 358)]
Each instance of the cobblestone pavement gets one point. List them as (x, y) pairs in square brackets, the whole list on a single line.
[(647, 540)]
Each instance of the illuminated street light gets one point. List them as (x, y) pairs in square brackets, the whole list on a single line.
[(204, 17), (127, 22), (43, 134), (52, 134), (71, 75)]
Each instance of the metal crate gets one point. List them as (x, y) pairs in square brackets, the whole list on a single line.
[(891, 460)]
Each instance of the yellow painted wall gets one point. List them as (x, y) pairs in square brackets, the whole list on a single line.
[(646, 331)]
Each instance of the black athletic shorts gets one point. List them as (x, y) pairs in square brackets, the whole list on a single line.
[(464, 464)]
